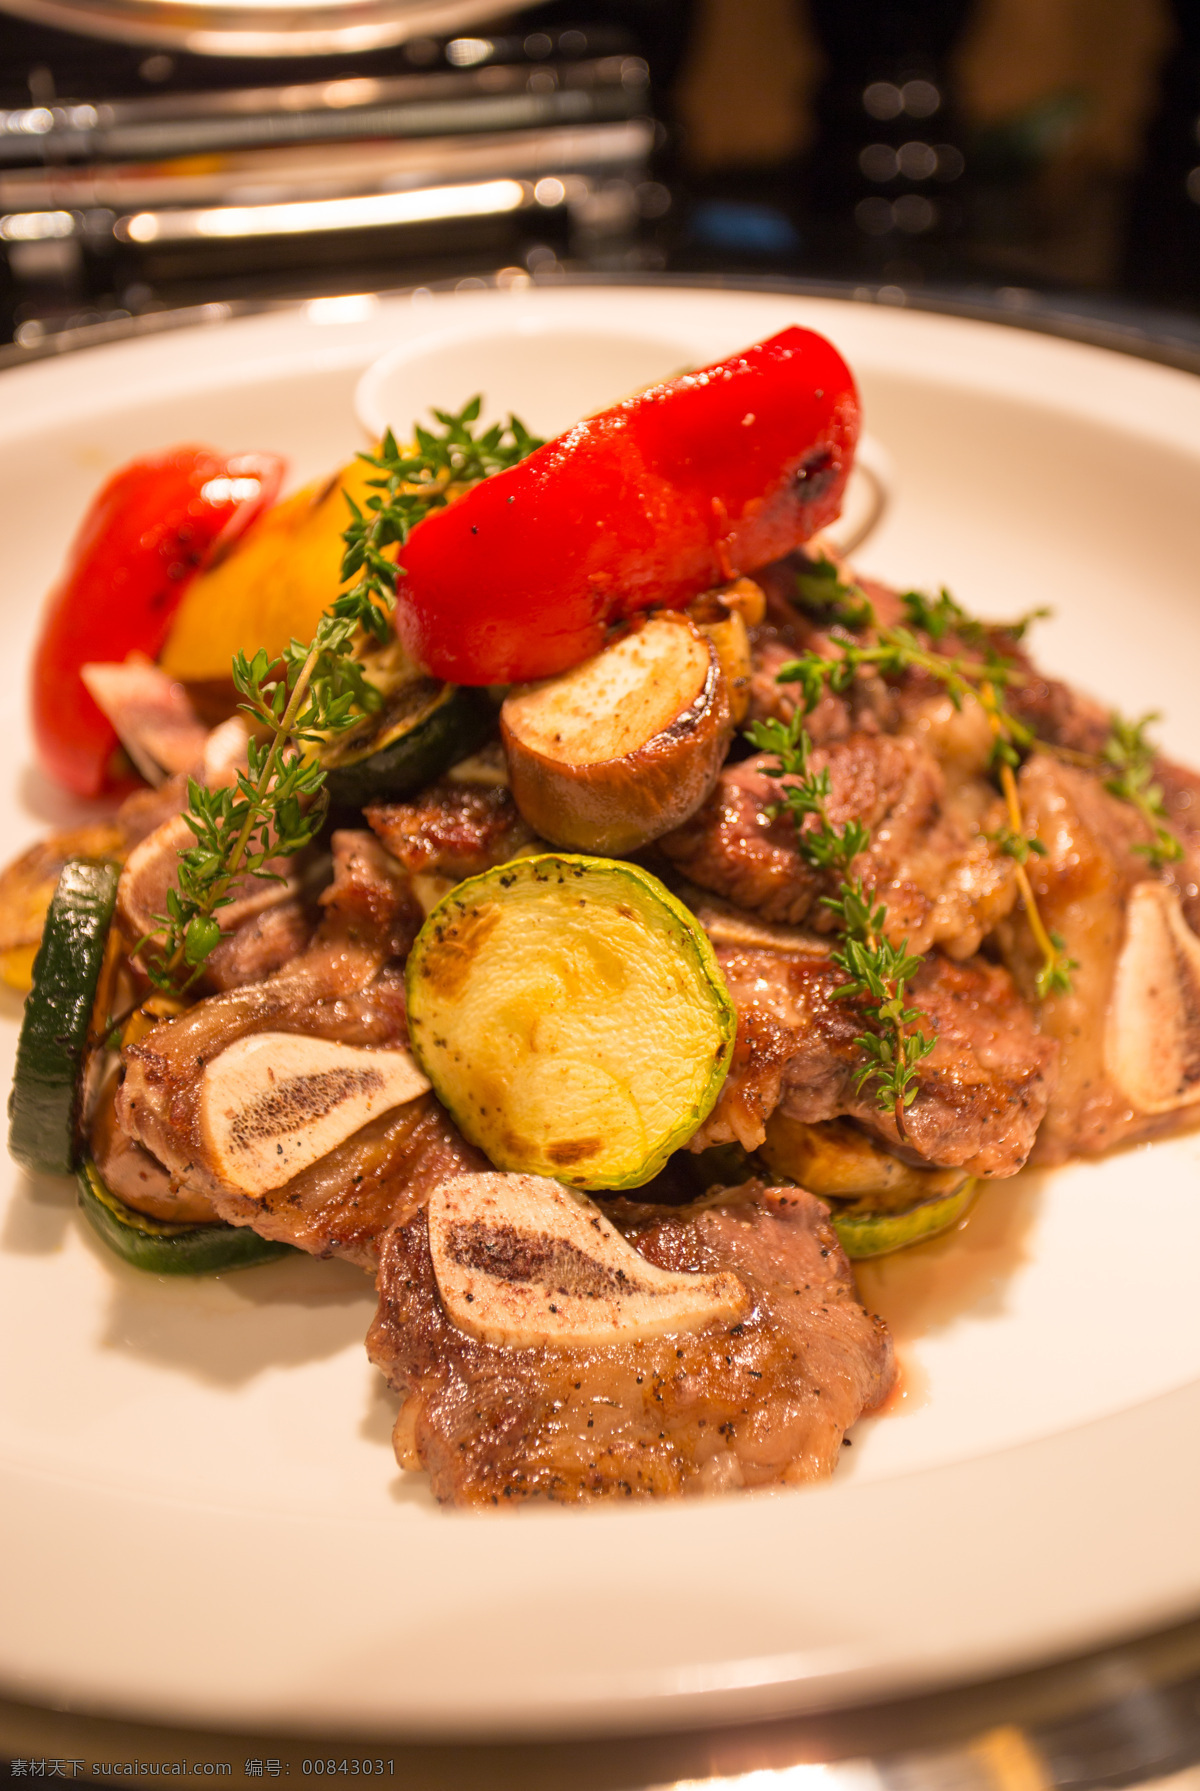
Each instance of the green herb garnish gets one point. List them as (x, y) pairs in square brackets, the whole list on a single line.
[(876, 972), (315, 691), (897, 649), (1131, 758)]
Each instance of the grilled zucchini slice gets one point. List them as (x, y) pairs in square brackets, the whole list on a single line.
[(879, 1203), (571, 1015), (864, 1230), (423, 727), (165, 1249), (45, 1105)]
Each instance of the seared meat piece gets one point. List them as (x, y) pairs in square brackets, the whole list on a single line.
[(1057, 714), (928, 859), (452, 829), (345, 987), (136, 1177), (981, 1093), (761, 1401), (784, 633), (344, 1203), (261, 945), (1129, 1030)]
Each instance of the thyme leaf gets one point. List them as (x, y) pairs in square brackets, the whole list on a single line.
[(315, 690), (875, 971), (897, 649), (1131, 758), (825, 846), (877, 974)]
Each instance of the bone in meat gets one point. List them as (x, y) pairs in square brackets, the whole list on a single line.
[(762, 1399)]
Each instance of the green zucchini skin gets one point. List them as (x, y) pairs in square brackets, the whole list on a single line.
[(44, 1108), (863, 1233), (568, 921), (420, 736), (165, 1249)]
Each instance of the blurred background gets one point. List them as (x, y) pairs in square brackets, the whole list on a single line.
[(156, 154)]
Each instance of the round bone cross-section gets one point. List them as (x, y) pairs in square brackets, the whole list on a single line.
[(522, 1261)]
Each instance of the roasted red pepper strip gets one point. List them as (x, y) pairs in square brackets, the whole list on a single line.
[(148, 532), (681, 488)]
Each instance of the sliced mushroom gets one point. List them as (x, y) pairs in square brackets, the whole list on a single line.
[(624, 747), (274, 1102), (1152, 1039), (725, 616), (153, 866), (524, 1262)]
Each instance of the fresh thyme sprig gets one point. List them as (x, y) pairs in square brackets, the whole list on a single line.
[(415, 482), (821, 591), (315, 691), (824, 847), (276, 805), (893, 651), (877, 974), (942, 615), (896, 649), (1131, 758), (876, 971)]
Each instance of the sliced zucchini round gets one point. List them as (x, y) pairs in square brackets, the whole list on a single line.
[(571, 1015), (163, 1248), (45, 1105), (866, 1231), (834, 1159), (423, 727)]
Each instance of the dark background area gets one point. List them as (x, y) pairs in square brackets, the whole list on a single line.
[(1039, 148)]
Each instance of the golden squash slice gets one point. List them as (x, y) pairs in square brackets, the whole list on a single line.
[(571, 1015)]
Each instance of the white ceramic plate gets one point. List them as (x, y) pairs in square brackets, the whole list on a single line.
[(201, 1513)]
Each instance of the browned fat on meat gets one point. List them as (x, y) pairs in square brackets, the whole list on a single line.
[(261, 945), (981, 1093), (137, 1178), (344, 1203), (347, 987), (763, 1400), (929, 859), (452, 829)]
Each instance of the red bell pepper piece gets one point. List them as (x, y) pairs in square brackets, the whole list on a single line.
[(148, 532), (674, 491)]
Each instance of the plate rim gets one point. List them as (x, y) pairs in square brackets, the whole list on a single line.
[(749, 1690)]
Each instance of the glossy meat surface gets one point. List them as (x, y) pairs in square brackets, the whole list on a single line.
[(763, 1401), (981, 1093), (929, 859), (344, 1203), (348, 987), (452, 829)]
